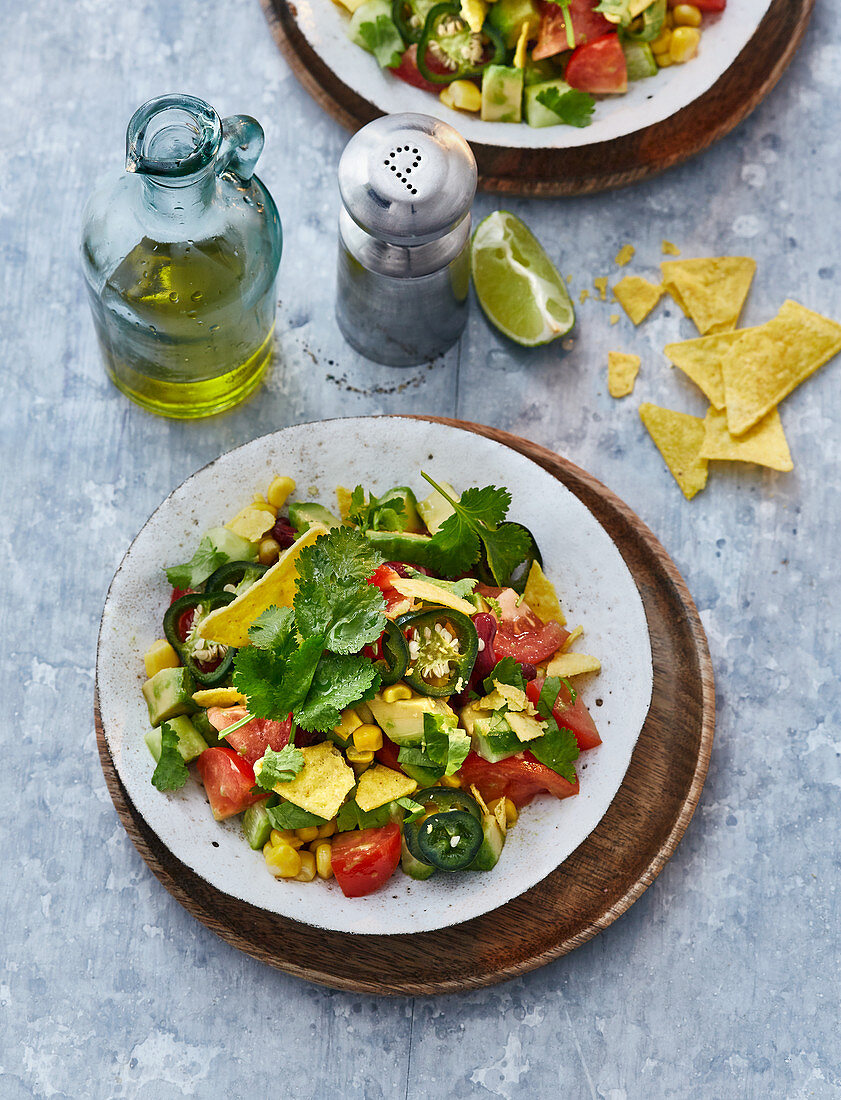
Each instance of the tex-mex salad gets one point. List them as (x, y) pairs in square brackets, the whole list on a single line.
[(541, 61), (387, 686)]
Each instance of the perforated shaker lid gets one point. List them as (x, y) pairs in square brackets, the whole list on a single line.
[(407, 178)]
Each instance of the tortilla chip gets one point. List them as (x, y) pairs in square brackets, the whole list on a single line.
[(670, 249), (380, 785), (541, 596), (679, 438), (419, 589), (712, 291), (276, 588), (637, 296), (625, 254), (670, 288), (573, 638), (767, 362), (700, 359), (218, 697), (252, 522), (572, 664), (600, 283), (323, 784), (622, 370), (614, 318), (764, 443), (343, 498)]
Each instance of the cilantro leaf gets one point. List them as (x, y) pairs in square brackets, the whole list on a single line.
[(340, 680), (171, 773), (343, 553), (352, 816), (415, 757), (205, 561), (573, 108), (279, 767), (558, 748), (413, 809), (276, 682), (273, 629), (476, 523), (289, 816), (445, 744), (378, 514), (382, 39), (506, 671)]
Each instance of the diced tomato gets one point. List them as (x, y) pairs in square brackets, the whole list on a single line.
[(228, 780), (704, 5), (177, 593), (388, 755), (252, 739), (520, 633), (573, 717), (598, 67), (409, 72), (384, 577), (364, 861), (518, 777), (552, 36)]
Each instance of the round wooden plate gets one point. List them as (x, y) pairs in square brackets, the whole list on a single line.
[(599, 881), (589, 168)]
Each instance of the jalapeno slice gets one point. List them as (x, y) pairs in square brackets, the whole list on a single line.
[(442, 645), (448, 38), (234, 572), (410, 17), (450, 841), (444, 802), (179, 628), (395, 656)]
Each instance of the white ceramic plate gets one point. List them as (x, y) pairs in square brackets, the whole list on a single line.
[(324, 25), (596, 589)]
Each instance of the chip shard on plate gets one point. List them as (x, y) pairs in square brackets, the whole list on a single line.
[(679, 438), (700, 359), (764, 444), (380, 785), (769, 361), (542, 597), (669, 249), (710, 290), (323, 784), (622, 371), (572, 664), (625, 255), (637, 296)]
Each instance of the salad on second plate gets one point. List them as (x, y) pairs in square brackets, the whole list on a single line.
[(538, 61), (380, 688)]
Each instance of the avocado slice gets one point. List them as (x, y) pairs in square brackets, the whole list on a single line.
[(402, 720), (492, 844), (191, 744), (536, 114), (414, 868), (639, 59), (303, 516), (502, 94), (508, 17), (434, 509), (168, 694)]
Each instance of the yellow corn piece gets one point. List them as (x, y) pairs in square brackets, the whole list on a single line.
[(268, 551), (367, 738), (327, 830), (520, 53), (473, 12), (283, 861), (662, 42), (684, 44), (461, 95), (279, 490), (686, 15), (307, 870), (355, 756), (664, 60), (324, 860), (396, 692), (450, 781), (511, 813), (160, 655), (308, 833)]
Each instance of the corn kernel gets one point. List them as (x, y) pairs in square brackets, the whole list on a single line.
[(279, 490), (664, 60), (307, 871), (450, 781), (358, 756), (283, 861), (350, 722), (662, 42), (396, 693), (308, 833), (360, 767), (684, 44), (368, 738), (158, 656), (461, 95), (511, 813), (686, 15), (324, 860), (327, 830), (268, 551), (280, 836), (263, 506)]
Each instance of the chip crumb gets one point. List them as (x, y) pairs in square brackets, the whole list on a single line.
[(679, 438), (600, 283), (584, 295), (622, 370), (569, 280), (764, 444), (637, 296), (625, 254), (614, 318), (670, 249)]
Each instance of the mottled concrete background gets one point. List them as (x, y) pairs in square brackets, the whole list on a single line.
[(723, 980)]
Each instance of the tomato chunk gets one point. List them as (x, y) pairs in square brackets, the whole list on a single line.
[(552, 36), (383, 578), (518, 777), (365, 860), (598, 67), (520, 633), (409, 72), (252, 739), (228, 780), (572, 716)]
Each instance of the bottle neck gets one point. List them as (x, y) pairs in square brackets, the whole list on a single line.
[(183, 199)]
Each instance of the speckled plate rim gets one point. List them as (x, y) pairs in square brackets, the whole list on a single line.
[(182, 820)]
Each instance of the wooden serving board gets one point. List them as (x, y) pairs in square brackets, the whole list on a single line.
[(589, 168), (594, 886)]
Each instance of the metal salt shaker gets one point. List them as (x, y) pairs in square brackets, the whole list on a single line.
[(407, 182)]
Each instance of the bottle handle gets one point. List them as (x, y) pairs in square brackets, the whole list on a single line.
[(242, 144)]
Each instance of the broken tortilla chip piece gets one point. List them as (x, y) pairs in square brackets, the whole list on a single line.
[(712, 290), (600, 283), (622, 370), (767, 362), (679, 438), (764, 444), (637, 296), (541, 596), (572, 664), (625, 254), (700, 359), (670, 249)]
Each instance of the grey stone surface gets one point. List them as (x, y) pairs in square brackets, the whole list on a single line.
[(723, 980)]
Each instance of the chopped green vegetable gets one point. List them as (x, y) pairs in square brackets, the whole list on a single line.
[(340, 680), (377, 514), (280, 767), (445, 744), (558, 748), (383, 40), (205, 561), (573, 107), (171, 772), (289, 816)]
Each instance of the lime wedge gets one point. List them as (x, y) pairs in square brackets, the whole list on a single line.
[(517, 284)]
